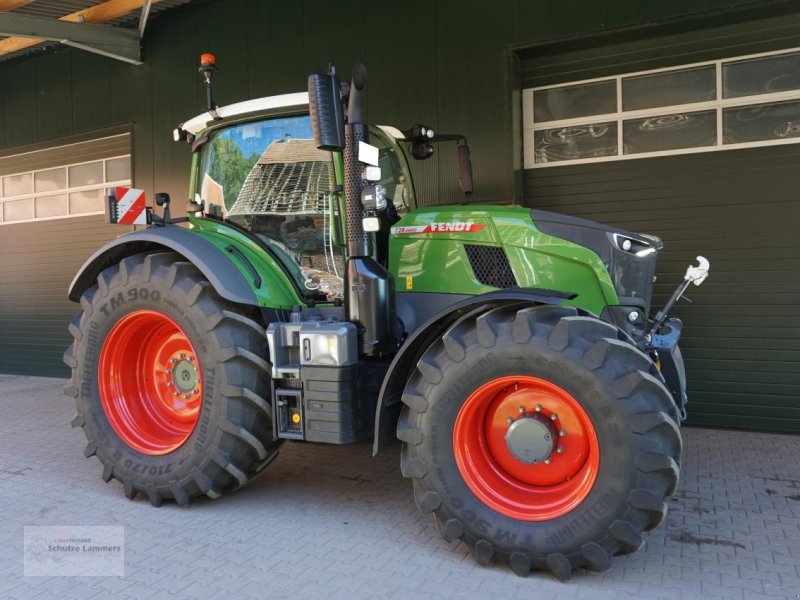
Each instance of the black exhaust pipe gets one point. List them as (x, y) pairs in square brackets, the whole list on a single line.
[(369, 287)]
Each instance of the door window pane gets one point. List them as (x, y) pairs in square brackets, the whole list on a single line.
[(50, 180), (670, 88), (18, 210), (16, 185), (670, 132), (573, 101), (118, 169), (88, 174), (776, 121), (84, 202), (51, 206), (569, 143), (761, 75)]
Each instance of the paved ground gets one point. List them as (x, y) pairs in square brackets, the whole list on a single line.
[(332, 522)]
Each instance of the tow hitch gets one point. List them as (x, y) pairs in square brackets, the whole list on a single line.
[(664, 334)]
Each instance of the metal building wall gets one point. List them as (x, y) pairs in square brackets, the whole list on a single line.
[(447, 63)]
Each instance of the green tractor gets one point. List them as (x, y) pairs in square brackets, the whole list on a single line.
[(309, 298)]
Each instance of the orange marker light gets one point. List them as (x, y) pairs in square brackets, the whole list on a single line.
[(208, 59), (295, 418)]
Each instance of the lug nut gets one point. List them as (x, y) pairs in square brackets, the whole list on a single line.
[(170, 383), (173, 360), (177, 393), (554, 417), (183, 355), (195, 391), (509, 420), (521, 410), (191, 359), (560, 449), (547, 461), (562, 433), (538, 408)]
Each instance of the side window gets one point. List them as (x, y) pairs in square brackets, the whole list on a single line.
[(393, 176)]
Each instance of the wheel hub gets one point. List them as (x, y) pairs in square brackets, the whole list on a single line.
[(184, 375), (532, 439)]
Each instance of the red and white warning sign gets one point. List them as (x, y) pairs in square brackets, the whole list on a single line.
[(126, 206)]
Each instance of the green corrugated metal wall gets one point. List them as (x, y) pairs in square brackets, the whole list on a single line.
[(448, 63), (739, 208)]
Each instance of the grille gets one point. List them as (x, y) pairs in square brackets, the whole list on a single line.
[(490, 265)]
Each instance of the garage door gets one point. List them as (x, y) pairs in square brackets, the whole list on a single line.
[(51, 220), (704, 154)]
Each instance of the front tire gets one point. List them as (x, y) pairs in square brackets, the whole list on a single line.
[(537, 436), (170, 382)]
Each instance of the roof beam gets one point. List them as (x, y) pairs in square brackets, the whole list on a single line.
[(13, 4), (101, 13), (110, 41)]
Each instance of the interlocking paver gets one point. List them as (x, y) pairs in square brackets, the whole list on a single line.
[(332, 522)]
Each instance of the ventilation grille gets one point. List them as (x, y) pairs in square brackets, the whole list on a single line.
[(490, 265)]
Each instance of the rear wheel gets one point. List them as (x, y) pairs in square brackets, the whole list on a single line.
[(538, 437), (170, 382)]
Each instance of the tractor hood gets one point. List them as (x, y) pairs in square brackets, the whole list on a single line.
[(630, 258)]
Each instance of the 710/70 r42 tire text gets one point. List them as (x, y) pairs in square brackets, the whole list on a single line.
[(170, 382)]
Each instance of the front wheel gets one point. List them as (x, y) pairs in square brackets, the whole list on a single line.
[(539, 437), (170, 382)]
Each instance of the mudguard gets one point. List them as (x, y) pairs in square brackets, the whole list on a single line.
[(404, 361), (212, 262)]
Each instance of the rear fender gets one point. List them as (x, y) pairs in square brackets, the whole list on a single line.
[(423, 336), (215, 265)]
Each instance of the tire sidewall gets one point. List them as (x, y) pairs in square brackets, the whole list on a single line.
[(122, 299), (607, 499)]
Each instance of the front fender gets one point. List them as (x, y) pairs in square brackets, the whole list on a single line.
[(424, 335), (215, 265)]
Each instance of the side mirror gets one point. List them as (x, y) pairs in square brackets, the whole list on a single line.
[(464, 169), (327, 114)]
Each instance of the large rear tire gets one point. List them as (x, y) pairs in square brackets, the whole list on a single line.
[(539, 437), (170, 382)]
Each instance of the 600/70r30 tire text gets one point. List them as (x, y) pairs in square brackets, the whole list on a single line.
[(537, 436)]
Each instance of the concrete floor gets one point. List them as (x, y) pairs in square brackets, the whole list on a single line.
[(332, 522)]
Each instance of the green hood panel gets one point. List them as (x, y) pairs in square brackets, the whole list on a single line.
[(427, 254)]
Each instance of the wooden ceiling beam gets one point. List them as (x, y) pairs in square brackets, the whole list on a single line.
[(101, 13), (13, 4)]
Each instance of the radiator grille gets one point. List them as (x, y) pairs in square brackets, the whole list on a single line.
[(490, 265)]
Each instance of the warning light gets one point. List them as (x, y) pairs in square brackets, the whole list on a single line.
[(208, 60), (295, 418)]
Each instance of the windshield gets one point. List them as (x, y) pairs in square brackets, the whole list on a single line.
[(269, 177)]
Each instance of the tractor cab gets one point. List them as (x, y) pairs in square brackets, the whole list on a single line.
[(266, 175)]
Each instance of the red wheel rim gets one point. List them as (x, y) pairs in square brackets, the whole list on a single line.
[(512, 486), (150, 382)]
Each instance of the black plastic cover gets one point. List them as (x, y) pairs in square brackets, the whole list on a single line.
[(370, 302), (327, 113), (631, 270)]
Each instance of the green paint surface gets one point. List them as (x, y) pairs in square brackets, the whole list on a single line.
[(437, 262), (275, 291)]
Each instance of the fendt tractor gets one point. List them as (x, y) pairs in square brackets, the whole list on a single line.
[(307, 297)]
